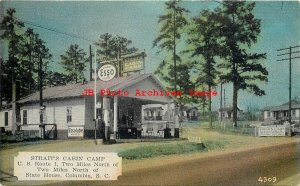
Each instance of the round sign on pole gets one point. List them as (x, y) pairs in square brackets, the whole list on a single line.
[(107, 72)]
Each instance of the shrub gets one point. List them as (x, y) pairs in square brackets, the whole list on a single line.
[(168, 149)]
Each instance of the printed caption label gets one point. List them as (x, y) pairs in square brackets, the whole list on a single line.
[(67, 166)]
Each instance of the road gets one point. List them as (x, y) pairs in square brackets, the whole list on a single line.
[(234, 168)]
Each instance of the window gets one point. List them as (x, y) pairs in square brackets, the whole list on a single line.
[(194, 113), (158, 117), (5, 118), (268, 114), (69, 114), (99, 113), (24, 117), (293, 112), (284, 113)]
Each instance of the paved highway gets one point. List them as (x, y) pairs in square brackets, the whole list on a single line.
[(236, 168)]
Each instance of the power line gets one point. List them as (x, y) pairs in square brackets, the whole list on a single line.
[(54, 30), (290, 57)]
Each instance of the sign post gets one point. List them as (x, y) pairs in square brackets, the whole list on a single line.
[(95, 93), (133, 63), (106, 73), (272, 130), (75, 131)]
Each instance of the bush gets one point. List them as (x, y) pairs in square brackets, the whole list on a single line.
[(210, 145), (168, 149)]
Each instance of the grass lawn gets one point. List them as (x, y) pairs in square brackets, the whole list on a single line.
[(171, 148), (201, 138)]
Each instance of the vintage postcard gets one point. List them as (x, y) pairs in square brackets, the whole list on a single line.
[(150, 93)]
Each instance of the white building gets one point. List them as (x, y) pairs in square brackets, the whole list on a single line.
[(71, 106), (190, 113), (226, 113), (281, 113)]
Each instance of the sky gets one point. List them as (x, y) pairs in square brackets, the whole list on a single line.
[(138, 21)]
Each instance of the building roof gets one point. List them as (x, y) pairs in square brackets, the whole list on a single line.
[(76, 90), (153, 108), (188, 108), (285, 106), (227, 109)]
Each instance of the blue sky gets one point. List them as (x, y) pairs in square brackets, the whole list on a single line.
[(138, 22)]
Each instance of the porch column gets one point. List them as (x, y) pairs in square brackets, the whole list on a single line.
[(143, 114), (115, 116), (169, 112), (106, 119), (176, 122)]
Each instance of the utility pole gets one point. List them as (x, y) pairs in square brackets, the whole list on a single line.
[(119, 64), (41, 96), (14, 98), (221, 102), (224, 99), (91, 68), (1, 83), (30, 56), (288, 52)]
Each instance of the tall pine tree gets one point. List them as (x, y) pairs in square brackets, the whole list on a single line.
[(9, 27), (203, 39), (113, 47), (240, 30), (73, 62), (172, 23)]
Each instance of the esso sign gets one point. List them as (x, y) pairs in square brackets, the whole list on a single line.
[(107, 72)]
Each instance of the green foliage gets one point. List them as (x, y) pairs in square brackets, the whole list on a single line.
[(215, 144), (175, 72), (171, 148), (219, 44), (73, 62), (111, 46), (172, 23), (9, 28), (56, 79), (25, 51), (160, 149), (203, 38), (239, 31), (34, 51)]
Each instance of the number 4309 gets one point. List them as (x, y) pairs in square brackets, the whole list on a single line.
[(267, 179)]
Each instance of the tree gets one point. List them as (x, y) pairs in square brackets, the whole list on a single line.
[(112, 47), (28, 61), (1, 84), (240, 30), (25, 51), (172, 24), (9, 27), (55, 79), (35, 52), (73, 62), (203, 38), (105, 43)]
